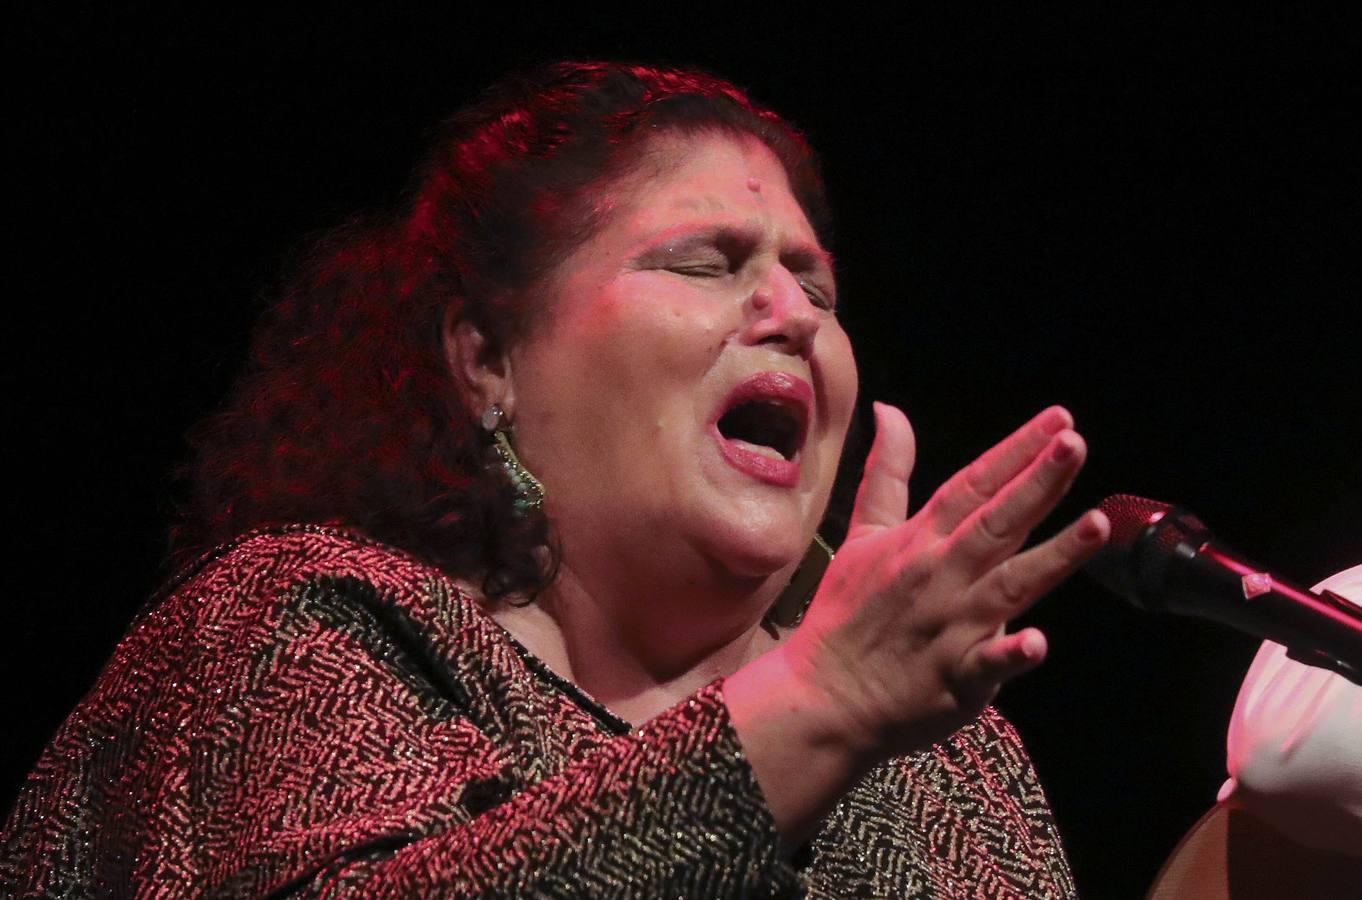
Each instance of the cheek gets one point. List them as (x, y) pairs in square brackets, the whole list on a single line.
[(629, 365), (654, 336), (841, 378)]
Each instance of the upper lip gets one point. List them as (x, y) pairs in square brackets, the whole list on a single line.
[(790, 392)]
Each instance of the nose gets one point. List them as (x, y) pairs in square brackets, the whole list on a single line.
[(781, 314)]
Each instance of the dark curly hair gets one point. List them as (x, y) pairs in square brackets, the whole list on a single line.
[(347, 411)]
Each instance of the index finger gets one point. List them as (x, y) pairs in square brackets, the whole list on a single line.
[(977, 483)]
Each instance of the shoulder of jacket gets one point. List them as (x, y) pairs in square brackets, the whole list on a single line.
[(303, 551), (268, 565)]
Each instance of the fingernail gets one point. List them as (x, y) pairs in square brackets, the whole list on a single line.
[(1057, 419), (1063, 451), (1090, 529), (1032, 646)]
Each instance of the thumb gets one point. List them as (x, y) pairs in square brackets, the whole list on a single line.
[(882, 498)]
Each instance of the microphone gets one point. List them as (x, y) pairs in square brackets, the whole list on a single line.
[(1161, 558)]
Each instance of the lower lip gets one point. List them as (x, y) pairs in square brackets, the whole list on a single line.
[(779, 472)]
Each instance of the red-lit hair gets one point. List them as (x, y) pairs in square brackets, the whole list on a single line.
[(347, 411)]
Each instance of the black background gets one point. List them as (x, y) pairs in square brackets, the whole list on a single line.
[(1152, 219)]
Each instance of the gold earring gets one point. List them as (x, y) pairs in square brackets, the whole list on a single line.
[(529, 491), (793, 602)]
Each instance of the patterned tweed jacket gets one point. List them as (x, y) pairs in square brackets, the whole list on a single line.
[(308, 713)]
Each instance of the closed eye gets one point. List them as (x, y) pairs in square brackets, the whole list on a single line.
[(817, 296), (701, 269), (706, 254), (724, 251)]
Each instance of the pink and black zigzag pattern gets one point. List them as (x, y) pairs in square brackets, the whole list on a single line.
[(309, 713)]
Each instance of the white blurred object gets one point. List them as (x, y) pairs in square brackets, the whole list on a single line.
[(1294, 751)]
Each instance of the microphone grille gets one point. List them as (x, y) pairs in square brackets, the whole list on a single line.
[(1117, 566), (1130, 516)]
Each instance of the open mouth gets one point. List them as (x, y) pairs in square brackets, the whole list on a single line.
[(767, 416), (766, 426)]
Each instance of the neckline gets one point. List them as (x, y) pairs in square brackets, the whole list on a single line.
[(598, 711)]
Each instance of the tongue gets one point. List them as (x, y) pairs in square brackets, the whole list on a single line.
[(764, 450)]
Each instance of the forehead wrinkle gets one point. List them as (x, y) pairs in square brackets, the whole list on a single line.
[(627, 198), (708, 203)]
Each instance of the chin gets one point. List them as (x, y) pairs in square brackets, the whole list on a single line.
[(757, 553)]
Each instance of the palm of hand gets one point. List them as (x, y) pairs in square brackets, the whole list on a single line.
[(907, 632)]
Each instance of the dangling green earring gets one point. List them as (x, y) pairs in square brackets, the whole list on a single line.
[(529, 492), (793, 602)]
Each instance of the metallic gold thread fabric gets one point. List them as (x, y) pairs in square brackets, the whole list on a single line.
[(308, 713)]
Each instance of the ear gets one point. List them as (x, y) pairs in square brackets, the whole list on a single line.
[(481, 368)]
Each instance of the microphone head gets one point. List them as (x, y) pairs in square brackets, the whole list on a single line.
[(1145, 537), (1129, 516)]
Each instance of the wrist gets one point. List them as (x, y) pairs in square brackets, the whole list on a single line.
[(799, 745)]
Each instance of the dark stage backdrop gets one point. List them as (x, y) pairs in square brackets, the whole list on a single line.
[(1152, 221)]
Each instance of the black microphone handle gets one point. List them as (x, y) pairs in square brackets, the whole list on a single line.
[(1166, 560), (1250, 599)]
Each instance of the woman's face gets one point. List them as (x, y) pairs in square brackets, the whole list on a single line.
[(686, 399)]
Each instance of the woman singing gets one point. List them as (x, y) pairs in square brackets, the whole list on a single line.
[(490, 582)]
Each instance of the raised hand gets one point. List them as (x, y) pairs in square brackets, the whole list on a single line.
[(906, 634), (905, 640)]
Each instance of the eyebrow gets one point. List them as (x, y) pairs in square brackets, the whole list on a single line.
[(801, 257)]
